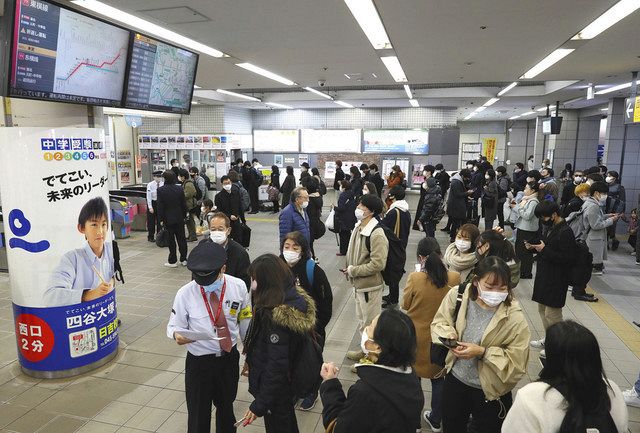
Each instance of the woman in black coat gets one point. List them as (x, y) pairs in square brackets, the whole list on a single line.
[(314, 211), (275, 182), (490, 199), (357, 183), (345, 218), (287, 186), (555, 255)]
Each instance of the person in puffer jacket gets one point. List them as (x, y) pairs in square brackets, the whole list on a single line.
[(432, 201)]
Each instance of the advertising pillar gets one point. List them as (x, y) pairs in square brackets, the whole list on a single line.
[(55, 203)]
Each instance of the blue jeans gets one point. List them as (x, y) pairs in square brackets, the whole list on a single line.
[(436, 400), (637, 385)]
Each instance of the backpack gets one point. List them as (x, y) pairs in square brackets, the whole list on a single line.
[(311, 266), (199, 194), (580, 272), (259, 176), (306, 363), (439, 213), (245, 201), (207, 181), (502, 193), (322, 188), (396, 255), (575, 221)]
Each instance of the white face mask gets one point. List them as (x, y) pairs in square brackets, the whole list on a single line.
[(203, 209), (424, 185), (218, 237), (517, 170), (365, 190), (609, 179), (492, 299), (304, 204), (475, 168), (424, 173), (291, 257), (227, 187), (590, 182), (469, 166), (363, 339), (577, 179), (584, 198), (603, 200), (359, 213), (486, 176), (341, 189), (463, 245)]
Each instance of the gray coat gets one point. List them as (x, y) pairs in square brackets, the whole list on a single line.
[(490, 194), (595, 226)]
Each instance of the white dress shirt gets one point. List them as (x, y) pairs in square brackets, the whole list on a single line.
[(152, 192)]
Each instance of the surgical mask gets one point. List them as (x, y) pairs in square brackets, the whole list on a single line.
[(341, 189), (590, 182), (469, 166), (227, 187), (424, 173), (577, 179), (492, 299), (304, 204), (363, 339), (463, 245), (486, 176), (365, 190), (203, 209), (603, 200), (547, 223), (475, 168), (609, 179), (254, 285), (218, 237), (424, 185), (291, 257), (216, 285), (530, 179), (359, 213), (517, 170)]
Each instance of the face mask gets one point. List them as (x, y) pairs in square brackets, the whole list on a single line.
[(577, 179), (463, 245), (609, 179), (486, 176), (590, 182), (254, 285), (365, 191), (530, 179), (424, 185), (517, 170), (475, 168), (291, 257), (492, 299), (469, 166), (363, 340), (424, 173), (304, 204), (227, 187), (218, 237), (359, 214), (547, 223), (216, 285), (341, 189), (603, 200), (304, 169), (203, 209)]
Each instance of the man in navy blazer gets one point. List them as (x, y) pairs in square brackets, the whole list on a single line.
[(172, 211)]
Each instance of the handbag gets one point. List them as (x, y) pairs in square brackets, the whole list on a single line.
[(329, 222), (272, 193), (439, 352), (245, 235), (162, 238)]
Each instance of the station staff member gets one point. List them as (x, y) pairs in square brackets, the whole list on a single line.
[(153, 222), (219, 305)]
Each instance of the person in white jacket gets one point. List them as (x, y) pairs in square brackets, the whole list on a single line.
[(527, 225), (573, 393)]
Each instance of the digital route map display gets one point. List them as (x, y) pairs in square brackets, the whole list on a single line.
[(161, 76), (64, 56)]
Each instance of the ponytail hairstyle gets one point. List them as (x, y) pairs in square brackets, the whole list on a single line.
[(434, 268), (499, 246)]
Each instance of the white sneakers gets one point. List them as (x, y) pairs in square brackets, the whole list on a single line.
[(537, 344), (631, 397), (184, 263), (171, 265)]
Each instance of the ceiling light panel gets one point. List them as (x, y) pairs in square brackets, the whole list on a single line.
[(261, 71), (528, 113), (344, 104), (275, 104), (147, 26), (407, 90), (317, 92), (414, 102), (547, 62), (514, 117), (395, 68), (366, 14), (614, 88), (238, 95), (490, 102), (616, 13), (506, 89)]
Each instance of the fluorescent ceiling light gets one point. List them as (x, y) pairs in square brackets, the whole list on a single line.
[(195, 86), (194, 102), (547, 62), (395, 68), (604, 109), (614, 88), (260, 71), (414, 102), (238, 95), (528, 113), (407, 90), (317, 92), (366, 14), (479, 109), (490, 102), (147, 26), (506, 89), (344, 104), (470, 115), (514, 117), (275, 104), (616, 13), (544, 109)]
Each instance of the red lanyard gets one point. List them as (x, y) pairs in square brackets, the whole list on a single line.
[(206, 303)]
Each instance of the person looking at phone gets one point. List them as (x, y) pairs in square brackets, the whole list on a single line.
[(595, 223), (555, 254), (492, 351), (387, 397), (460, 256), (528, 226)]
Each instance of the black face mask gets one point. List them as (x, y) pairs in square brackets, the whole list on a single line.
[(547, 223)]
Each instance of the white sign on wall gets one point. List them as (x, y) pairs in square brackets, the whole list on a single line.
[(331, 140), (276, 140)]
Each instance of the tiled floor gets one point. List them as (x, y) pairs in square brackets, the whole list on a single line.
[(143, 389)]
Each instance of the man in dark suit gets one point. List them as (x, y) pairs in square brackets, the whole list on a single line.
[(376, 179), (228, 202), (172, 211)]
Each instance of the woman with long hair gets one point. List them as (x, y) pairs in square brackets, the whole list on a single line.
[(573, 393), (345, 219), (490, 199), (528, 227), (396, 177), (493, 243), (282, 315), (423, 295), (287, 186), (460, 256), (275, 182)]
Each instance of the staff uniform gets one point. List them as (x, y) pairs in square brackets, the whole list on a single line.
[(153, 222), (211, 374)]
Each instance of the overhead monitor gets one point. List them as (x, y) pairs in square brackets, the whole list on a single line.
[(331, 140), (415, 141), (161, 76), (276, 140), (551, 125), (61, 55)]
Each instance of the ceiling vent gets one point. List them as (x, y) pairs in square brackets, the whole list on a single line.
[(176, 15)]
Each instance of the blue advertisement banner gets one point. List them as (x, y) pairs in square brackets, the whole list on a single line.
[(67, 337)]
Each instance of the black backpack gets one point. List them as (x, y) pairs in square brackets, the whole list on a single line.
[(396, 256), (580, 272), (198, 191), (207, 181), (306, 363)]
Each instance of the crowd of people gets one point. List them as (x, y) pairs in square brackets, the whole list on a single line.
[(458, 323)]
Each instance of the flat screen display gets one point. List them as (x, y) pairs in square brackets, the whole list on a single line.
[(161, 76), (64, 56), (396, 141), (331, 140), (276, 140)]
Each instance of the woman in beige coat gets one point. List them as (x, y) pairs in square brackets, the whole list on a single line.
[(422, 297)]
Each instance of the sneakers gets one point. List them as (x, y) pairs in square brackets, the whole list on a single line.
[(598, 272), (308, 402), (435, 427), (171, 265), (631, 397), (537, 344), (355, 355), (183, 263)]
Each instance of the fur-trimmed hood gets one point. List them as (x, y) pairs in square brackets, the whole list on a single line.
[(297, 313)]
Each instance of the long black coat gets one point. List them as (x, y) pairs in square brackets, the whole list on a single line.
[(457, 202), (345, 218), (555, 259), (288, 185)]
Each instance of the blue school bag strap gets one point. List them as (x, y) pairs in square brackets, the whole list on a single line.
[(311, 264)]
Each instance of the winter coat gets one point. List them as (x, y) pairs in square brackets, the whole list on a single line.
[(356, 185), (345, 211), (275, 180), (399, 208), (520, 179), (272, 338), (228, 202), (568, 192), (432, 200), (201, 185), (506, 343), (490, 200), (314, 210), (463, 263), (383, 400), (336, 180), (190, 194), (504, 184), (377, 180), (616, 199), (595, 226), (477, 180), (444, 180), (288, 185), (557, 256), (367, 267), (171, 205), (320, 291), (393, 180), (291, 219), (527, 218), (457, 202), (421, 300)]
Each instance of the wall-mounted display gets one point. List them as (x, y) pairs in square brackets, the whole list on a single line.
[(276, 140), (396, 141), (331, 140), (188, 142)]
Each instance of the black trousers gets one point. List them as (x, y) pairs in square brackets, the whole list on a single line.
[(456, 223), (459, 401), (210, 379), (281, 417), (501, 214), (524, 255), (253, 196), (153, 222), (176, 233), (345, 236)]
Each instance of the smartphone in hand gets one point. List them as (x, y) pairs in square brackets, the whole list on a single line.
[(449, 342)]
